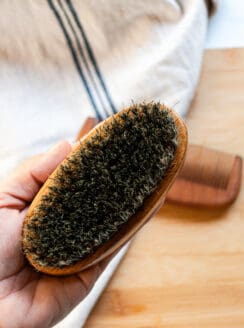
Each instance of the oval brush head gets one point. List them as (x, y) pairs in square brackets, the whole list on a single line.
[(105, 190)]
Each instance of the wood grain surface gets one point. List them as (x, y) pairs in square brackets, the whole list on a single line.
[(186, 266)]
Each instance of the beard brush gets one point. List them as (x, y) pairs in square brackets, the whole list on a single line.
[(107, 188)]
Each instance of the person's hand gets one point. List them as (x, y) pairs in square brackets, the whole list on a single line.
[(27, 298)]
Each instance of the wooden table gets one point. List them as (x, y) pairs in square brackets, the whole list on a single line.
[(186, 267)]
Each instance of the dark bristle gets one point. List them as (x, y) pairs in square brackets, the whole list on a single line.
[(102, 186)]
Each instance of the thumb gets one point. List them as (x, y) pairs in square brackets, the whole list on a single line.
[(20, 187)]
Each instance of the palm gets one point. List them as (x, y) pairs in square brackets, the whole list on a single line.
[(29, 298)]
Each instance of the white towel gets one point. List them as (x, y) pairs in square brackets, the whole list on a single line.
[(64, 60)]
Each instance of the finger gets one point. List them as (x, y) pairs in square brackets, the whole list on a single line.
[(23, 184)]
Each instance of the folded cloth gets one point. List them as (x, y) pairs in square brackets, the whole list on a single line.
[(64, 60)]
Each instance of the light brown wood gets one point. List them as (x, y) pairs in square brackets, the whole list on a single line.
[(150, 206), (88, 125), (185, 268), (208, 178)]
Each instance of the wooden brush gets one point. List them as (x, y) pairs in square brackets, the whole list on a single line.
[(112, 183)]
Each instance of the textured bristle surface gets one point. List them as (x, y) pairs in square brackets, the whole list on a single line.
[(101, 186)]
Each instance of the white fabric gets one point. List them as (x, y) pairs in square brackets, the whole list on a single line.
[(145, 50)]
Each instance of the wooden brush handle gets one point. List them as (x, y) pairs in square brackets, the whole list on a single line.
[(89, 124), (208, 178)]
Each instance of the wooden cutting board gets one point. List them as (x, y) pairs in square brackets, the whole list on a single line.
[(186, 267)]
